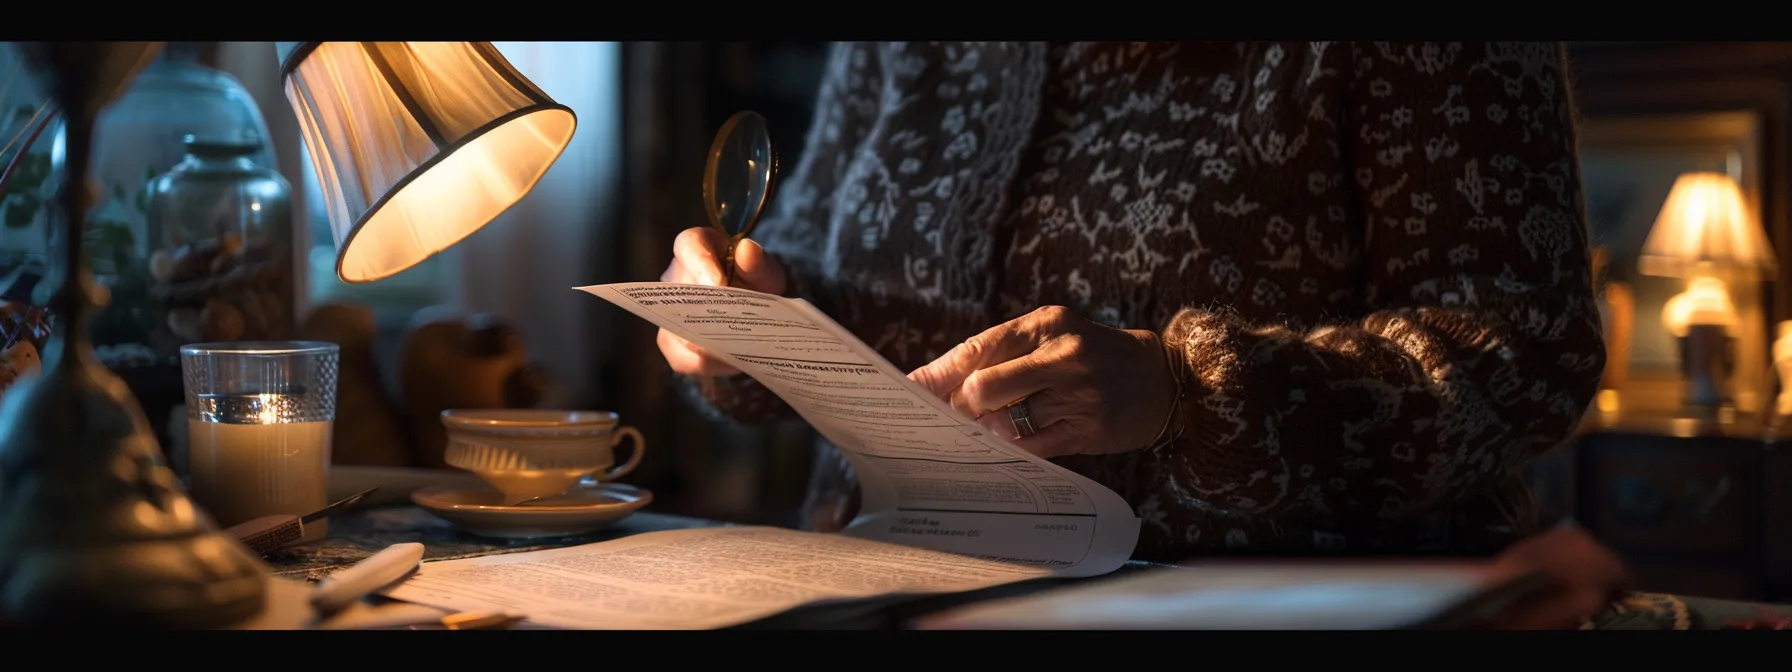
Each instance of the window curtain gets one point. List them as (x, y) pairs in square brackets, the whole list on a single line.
[(523, 265), (676, 94)]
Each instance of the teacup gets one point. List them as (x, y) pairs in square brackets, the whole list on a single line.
[(529, 454)]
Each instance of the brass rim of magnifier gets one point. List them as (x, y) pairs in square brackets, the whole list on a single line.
[(709, 176)]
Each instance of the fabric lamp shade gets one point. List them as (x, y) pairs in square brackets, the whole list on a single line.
[(417, 144), (1706, 223)]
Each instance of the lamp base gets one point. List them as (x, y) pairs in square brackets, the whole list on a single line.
[(93, 531), (1706, 358)]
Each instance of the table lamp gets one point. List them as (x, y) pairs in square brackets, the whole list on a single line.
[(1707, 235), (416, 144)]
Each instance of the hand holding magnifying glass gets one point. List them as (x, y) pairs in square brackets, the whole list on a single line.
[(737, 181), (737, 184)]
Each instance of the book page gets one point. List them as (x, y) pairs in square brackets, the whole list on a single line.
[(930, 477), (700, 578)]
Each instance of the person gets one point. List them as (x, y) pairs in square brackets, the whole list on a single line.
[(1280, 297), (1315, 297), (1582, 579)]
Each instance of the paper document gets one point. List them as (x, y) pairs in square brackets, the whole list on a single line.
[(694, 579), (930, 477), (945, 506)]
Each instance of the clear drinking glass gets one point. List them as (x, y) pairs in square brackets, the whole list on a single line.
[(259, 417)]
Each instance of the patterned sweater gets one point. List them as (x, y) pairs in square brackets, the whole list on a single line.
[(1373, 255)]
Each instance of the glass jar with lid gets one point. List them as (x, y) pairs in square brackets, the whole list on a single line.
[(220, 238), (137, 138)]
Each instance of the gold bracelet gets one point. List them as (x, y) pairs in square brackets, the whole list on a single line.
[(1179, 374)]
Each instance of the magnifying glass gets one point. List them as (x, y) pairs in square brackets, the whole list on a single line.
[(737, 181)]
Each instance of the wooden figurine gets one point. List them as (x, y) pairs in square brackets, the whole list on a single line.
[(1618, 308), (369, 430), (453, 360)]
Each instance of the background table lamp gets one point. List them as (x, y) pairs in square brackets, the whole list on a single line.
[(1707, 234), (416, 145)]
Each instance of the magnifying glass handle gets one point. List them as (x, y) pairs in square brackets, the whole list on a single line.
[(728, 263)]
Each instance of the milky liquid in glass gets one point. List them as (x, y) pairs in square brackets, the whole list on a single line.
[(259, 419), (242, 472)]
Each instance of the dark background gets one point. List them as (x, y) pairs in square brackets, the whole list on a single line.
[(675, 95)]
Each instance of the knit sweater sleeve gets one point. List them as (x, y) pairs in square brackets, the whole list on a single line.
[(795, 230), (1481, 345)]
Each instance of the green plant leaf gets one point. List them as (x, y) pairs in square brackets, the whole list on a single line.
[(120, 236), (30, 174), (104, 238), (12, 183), (21, 211)]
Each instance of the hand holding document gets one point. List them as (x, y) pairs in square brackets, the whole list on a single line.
[(931, 476), (946, 506)]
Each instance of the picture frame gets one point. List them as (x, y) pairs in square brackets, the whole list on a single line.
[(1629, 163)]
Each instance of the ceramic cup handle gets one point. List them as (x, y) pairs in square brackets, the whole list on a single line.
[(634, 457)]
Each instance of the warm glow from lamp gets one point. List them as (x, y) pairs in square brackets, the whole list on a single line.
[(1705, 224), (1705, 301), (1609, 402), (417, 144), (1707, 234)]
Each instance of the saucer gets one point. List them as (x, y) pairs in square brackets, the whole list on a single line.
[(585, 508)]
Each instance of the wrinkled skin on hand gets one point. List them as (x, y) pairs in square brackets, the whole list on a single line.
[(1092, 389)]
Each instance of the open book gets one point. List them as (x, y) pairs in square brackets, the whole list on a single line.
[(946, 506)]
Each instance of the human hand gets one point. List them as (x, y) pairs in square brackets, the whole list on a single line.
[(1584, 577), (1091, 388), (697, 256)]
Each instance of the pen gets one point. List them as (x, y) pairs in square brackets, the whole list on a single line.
[(363, 578), (271, 532)]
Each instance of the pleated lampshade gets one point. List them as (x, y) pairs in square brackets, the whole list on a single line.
[(1706, 223), (417, 144)]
